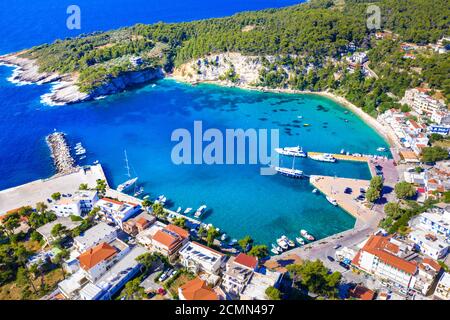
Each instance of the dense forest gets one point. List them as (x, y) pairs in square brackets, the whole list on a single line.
[(310, 33)]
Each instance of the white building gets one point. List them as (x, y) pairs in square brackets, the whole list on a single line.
[(81, 203), (436, 220), (238, 272), (116, 211), (441, 117), (429, 244), (419, 100), (199, 258), (99, 233), (443, 287)]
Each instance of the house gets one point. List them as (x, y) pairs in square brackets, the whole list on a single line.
[(99, 233), (256, 288), (138, 224), (427, 273), (361, 293), (116, 211), (429, 243), (440, 117), (81, 203), (169, 240), (443, 287), (436, 220), (380, 257), (419, 100), (238, 272), (46, 230), (97, 260), (197, 289), (198, 258)]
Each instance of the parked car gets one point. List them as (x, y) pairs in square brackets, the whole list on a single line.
[(344, 265), (337, 246), (348, 190), (163, 277), (330, 258)]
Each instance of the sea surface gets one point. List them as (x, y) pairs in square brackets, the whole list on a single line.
[(141, 121)]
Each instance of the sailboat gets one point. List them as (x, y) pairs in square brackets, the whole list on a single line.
[(131, 181), (291, 173)]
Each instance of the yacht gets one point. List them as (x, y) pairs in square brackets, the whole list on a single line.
[(200, 211), (300, 241), (325, 157), (306, 235), (187, 210), (291, 151), (291, 173), (332, 201), (131, 181), (283, 243)]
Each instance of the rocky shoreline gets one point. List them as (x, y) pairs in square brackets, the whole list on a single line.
[(65, 89), (60, 152)]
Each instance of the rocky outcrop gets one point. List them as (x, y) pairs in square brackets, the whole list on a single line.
[(65, 89), (214, 68)]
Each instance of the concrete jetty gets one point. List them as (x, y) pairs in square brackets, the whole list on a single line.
[(60, 152), (344, 157)]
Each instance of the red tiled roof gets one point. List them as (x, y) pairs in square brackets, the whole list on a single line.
[(167, 239), (197, 289), (432, 263), (180, 231), (112, 201), (95, 255), (142, 221), (360, 292), (246, 260), (381, 247)]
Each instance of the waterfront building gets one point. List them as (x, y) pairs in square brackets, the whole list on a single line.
[(441, 117), (198, 258), (443, 287), (436, 220), (238, 272), (196, 289), (66, 207), (429, 243), (168, 241), (116, 211)]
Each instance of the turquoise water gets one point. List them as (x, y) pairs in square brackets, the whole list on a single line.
[(241, 200)]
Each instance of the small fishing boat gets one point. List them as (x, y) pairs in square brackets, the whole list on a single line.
[(161, 200), (96, 162), (282, 243), (233, 242), (306, 124), (278, 249), (139, 192), (199, 211), (315, 190), (342, 151), (332, 201), (224, 237), (300, 241), (306, 235), (179, 210), (82, 157), (187, 210), (381, 149), (300, 117), (274, 251)]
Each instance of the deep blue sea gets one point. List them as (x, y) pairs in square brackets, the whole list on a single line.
[(141, 121)]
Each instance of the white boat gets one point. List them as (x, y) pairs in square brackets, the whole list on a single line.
[(291, 243), (291, 151), (127, 184), (381, 149), (161, 200), (96, 162), (300, 241), (179, 210), (274, 251), (199, 211), (283, 243), (315, 190), (306, 235), (82, 157), (233, 242), (300, 117), (325, 157), (224, 237), (139, 192), (291, 173), (342, 151), (187, 210), (332, 201)]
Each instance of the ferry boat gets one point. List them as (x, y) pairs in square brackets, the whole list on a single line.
[(300, 241), (306, 235), (131, 181), (291, 151), (326, 157), (187, 210), (199, 211), (381, 149), (332, 201)]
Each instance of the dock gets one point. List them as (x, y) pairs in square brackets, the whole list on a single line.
[(60, 152), (344, 157), (335, 187), (40, 190)]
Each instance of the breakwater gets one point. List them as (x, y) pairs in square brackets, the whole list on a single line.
[(60, 152)]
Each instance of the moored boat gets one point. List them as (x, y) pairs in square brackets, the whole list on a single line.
[(291, 151), (187, 210), (332, 201), (300, 241), (306, 235), (325, 157), (199, 211)]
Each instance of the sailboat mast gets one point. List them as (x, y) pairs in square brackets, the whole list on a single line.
[(127, 165)]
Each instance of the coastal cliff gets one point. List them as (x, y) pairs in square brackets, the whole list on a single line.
[(65, 89)]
